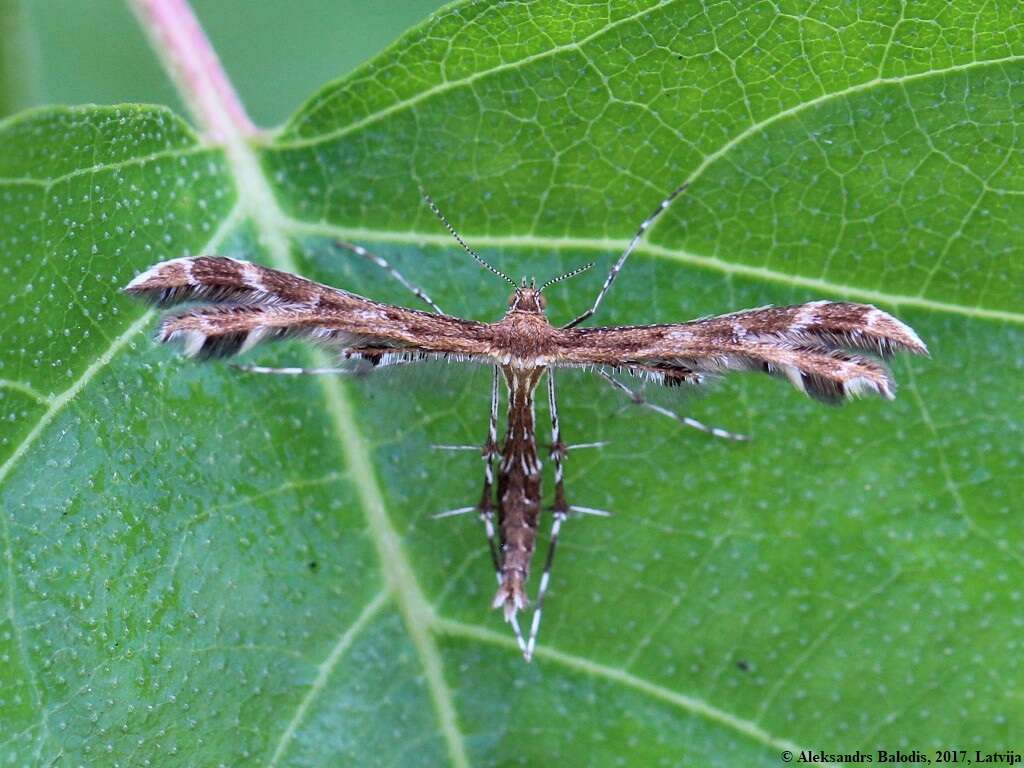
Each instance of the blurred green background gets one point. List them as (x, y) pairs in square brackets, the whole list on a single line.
[(79, 51)]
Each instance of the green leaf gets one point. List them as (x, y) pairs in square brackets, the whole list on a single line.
[(206, 568)]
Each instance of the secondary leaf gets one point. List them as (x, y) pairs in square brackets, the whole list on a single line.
[(206, 568)]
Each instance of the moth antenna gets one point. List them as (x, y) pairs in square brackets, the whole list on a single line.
[(460, 241), (617, 266), (386, 266), (566, 276)]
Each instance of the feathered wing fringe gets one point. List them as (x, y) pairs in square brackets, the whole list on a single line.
[(823, 348)]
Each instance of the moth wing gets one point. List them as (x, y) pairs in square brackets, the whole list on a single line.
[(818, 347), (239, 305)]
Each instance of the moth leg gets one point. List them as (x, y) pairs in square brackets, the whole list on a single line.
[(292, 371), (485, 507), (560, 511), (589, 511), (384, 264), (638, 399), (357, 366), (559, 450), (617, 267), (453, 513), (556, 526), (580, 446)]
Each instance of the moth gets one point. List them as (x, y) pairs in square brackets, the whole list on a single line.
[(830, 350)]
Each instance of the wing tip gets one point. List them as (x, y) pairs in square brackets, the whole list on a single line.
[(895, 334), (158, 283)]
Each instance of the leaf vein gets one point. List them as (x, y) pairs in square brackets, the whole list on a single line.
[(826, 632), (49, 183), (449, 85), (690, 704), (25, 389), (613, 245), (1000, 545), (324, 671), (56, 404)]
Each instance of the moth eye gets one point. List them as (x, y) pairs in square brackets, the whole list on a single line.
[(512, 298), (542, 300)]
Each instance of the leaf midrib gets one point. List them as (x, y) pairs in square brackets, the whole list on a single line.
[(616, 245), (257, 197)]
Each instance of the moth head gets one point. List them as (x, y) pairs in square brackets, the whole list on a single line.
[(527, 298)]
